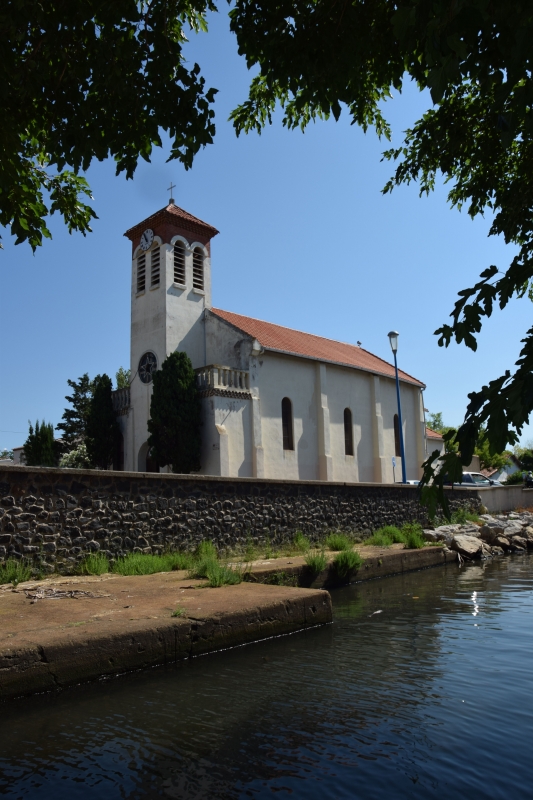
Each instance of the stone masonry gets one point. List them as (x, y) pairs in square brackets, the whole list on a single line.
[(54, 517)]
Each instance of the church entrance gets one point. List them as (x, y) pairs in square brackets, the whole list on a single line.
[(146, 463)]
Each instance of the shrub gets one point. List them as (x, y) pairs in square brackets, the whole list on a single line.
[(346, 562), (221, 575), (413, 536), (14, 571), (316, 562), (301, 542), (338, 541), (94, 564), (514, 479)]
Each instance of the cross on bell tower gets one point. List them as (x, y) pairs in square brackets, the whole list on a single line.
[(172, 186)]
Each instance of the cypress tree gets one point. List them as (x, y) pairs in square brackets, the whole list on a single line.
[(102, 430), (74, 420), (39, 448), (174, 423)]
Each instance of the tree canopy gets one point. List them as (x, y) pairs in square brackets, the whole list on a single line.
[(314, 57), (89, 80), (102, 430), (40, 450), (74, 420)]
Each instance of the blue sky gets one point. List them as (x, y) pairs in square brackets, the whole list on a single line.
[(306, 240)]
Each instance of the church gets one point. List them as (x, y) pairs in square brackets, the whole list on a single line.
[(276, 402)]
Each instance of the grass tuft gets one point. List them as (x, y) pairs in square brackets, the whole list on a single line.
[(316, 562), (206, 559), (385, 536), (281, 578), (346, 562), (179, 612), (148, 564), (94, 564), (301, 542), (221, 575), (14, 571), (413, 536), (338, 541)]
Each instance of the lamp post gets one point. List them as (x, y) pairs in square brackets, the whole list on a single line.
[(393, 338)]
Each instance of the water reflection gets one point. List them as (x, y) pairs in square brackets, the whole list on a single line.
[(414, 701)]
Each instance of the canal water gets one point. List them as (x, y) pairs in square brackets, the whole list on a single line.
[(422, 688)]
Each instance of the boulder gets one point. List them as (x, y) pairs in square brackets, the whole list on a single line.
[(489, 532), (496, 551), (518, 544), (430, 536), (527, 533), (467, 546), (500, 541), (486, 550)]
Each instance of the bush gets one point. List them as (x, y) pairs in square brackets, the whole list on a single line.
[(316, 562), (301, 542), (462, 515), (413, 536), (13, 571), (514, 479), (338, 541), (346, 562), (94, 564)]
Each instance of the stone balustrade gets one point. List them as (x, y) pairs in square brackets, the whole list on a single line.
[(215, 377)]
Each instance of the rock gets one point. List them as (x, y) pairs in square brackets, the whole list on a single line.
[(518, 544), (486, 550), (430, 536), (500, 541), (467, 546), (489, 532), (470, 530), (496, 551)]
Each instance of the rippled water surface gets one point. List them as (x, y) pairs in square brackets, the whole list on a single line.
[(430, 697)]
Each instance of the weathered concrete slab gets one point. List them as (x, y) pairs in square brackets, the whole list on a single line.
[(128, 624)]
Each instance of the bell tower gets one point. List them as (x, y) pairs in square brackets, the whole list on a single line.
[(170, 290)]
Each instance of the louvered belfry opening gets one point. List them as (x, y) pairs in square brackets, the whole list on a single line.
[(348, 432), (198, 268), (286, 422), (141, 272), (397, 448), (155, 267), (179, 263)]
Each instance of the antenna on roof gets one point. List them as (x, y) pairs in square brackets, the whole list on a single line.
[(172, 186), (359, 344)]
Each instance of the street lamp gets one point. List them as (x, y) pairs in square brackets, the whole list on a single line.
[(393, 338)]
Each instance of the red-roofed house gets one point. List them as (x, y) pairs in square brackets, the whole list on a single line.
[(277, 403)]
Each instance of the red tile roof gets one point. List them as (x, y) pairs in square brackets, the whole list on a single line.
[(287, 340), (432, 434), (173, 213)]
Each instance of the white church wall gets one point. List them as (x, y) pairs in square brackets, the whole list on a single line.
[(226, 437), (277, 377), (348, 388), (225, 345)]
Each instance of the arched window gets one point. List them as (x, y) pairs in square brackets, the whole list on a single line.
[(286, 423), (397, 448), (141, 272), (179, 263), (198, 268), (155, 267), (348, 432)]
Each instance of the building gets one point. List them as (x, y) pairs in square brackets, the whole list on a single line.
[(277, 403)]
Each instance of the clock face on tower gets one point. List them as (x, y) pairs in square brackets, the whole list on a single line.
[(147, 238), (147, 366)]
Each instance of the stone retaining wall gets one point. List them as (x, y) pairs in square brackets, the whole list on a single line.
[(56, 516)]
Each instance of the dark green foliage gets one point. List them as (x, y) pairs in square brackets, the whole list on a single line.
[(92, 80), (385, 536), (102, 430), (313, 57), (174, 423), (148, 564), (74, 424), (94, 564), (222, 575), (413, 536), (526, 460), (123, 378), (39, 447), (514, 479)]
